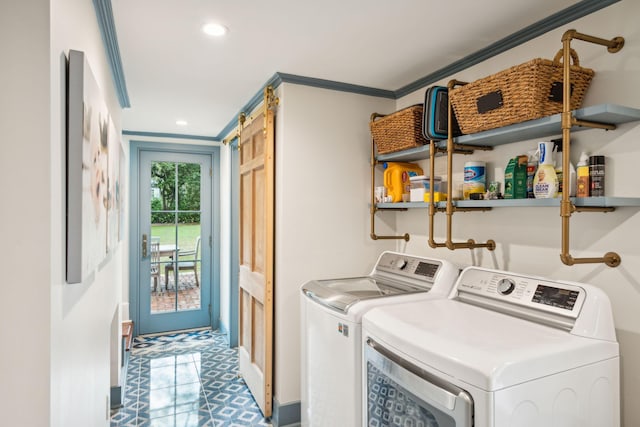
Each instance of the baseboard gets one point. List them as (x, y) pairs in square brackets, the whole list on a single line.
[(285, 415), (116, 397), (224, 329)]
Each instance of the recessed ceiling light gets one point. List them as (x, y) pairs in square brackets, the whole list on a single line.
[(216, 30), (181, 122)]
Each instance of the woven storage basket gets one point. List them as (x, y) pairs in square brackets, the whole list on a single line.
[(524, 92), (398, 131)]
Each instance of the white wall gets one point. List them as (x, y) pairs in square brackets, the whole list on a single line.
[(56, 362), (225, 237), (529, 239), (24, 221), (322, 205), (81, 314)]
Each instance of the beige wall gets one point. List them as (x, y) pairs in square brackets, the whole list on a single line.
[(529, 239), (322, 196)]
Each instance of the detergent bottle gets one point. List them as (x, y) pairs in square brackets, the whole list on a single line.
[(397, 179), (545, 182)]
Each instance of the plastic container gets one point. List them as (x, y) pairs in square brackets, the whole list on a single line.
[(397, 179), (474, 178), (420, 185)]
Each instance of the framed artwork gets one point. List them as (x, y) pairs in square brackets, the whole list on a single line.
[(90, 188)]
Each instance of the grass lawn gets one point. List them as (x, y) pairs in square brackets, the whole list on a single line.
[(187, 234)]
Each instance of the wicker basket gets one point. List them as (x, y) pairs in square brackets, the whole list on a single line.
[(398, 131), (525, 92)]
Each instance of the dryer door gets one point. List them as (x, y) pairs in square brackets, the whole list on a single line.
[(401, 393)]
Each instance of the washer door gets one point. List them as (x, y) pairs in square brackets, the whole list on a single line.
[(401, 393)]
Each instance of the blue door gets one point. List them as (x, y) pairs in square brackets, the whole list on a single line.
[(175, 211)]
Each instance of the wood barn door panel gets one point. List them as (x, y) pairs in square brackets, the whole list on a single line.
[(259, 226), (246, 184), (256, 259)]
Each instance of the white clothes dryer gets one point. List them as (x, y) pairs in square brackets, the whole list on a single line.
[(331, 364), (507, 350)]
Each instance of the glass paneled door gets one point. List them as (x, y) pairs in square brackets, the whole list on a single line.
[(175, 224)]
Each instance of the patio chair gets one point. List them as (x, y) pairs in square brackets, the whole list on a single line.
[(188, 264), (155, 263)]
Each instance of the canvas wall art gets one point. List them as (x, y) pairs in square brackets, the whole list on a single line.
[(91, 175)]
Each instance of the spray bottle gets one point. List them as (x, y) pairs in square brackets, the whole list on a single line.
[(545, 183)]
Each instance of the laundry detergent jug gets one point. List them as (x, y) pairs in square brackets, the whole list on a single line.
[(397, 179)]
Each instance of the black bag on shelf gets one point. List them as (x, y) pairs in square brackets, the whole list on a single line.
[(434, 121)]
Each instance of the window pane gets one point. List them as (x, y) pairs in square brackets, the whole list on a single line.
[(189, 261), (189, 186), (163, 296), (163, 184)]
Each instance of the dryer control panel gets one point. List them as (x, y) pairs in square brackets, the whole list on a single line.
[(417, 268), (435, 275), (524, 296)]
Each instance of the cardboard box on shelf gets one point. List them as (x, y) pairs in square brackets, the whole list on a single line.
[(515, 178)]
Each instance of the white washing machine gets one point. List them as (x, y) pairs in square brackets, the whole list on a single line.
[(506, 350), (331, 330)]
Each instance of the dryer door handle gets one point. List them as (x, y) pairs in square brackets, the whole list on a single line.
[(432, 389)]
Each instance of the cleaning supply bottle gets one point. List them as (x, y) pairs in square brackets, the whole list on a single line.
[(545, 183), (570, 175), (596, 176), (582, 172), (474, 178), (397, 179), (532, 166)]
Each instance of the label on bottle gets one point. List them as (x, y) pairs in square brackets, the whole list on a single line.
[(596, 176), (582, 182), (545, 184), (474, 178), (531, 173)]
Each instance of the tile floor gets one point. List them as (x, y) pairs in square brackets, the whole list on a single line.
[(185, 380)]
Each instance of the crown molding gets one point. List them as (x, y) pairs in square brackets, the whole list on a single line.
[(170, 135), (104, 13)]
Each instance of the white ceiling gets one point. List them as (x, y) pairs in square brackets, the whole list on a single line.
[(174, 71)]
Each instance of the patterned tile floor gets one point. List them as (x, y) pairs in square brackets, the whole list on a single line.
[(185, 380)]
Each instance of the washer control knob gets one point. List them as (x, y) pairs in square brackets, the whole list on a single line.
[(506, 286), (401, 264)]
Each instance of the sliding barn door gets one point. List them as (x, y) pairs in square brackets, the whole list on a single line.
[(256, 258)]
